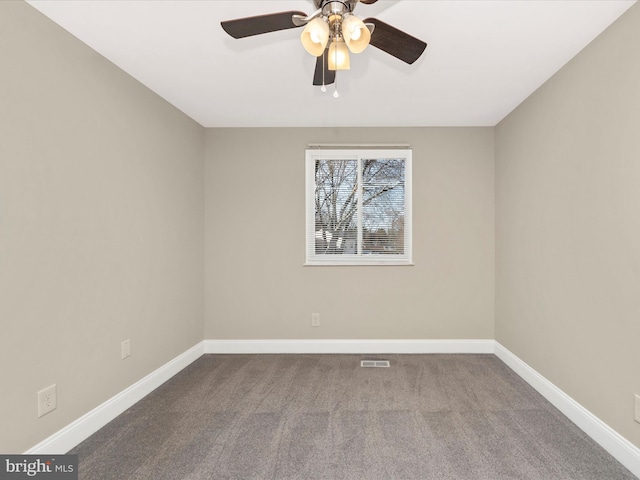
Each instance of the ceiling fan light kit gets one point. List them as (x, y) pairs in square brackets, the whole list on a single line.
[(330, 33)]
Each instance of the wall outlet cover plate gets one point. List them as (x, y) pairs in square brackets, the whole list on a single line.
[(47, 400)]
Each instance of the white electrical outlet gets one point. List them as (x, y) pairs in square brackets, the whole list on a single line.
[(125, 348), (637, 409), (315, 319), (47, 400)]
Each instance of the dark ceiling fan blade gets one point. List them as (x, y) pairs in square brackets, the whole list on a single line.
[(322, 63), (249, 26), (368, 2), (395, 42)]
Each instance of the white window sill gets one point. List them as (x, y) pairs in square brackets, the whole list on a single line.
[(359, 264)]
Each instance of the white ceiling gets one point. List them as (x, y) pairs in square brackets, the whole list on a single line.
[(483, 58)]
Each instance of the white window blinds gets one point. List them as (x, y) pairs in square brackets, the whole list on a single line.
[(358, 207)]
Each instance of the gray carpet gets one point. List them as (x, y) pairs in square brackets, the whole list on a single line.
[(323, 417)]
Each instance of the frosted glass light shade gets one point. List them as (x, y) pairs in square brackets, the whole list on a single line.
[(356, 34), (338, 55), (315, 36)]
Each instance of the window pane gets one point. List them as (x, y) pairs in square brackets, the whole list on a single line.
[(383, 206), (336, 227), (358, 206)]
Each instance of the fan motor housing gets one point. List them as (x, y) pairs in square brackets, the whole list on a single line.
[(340, 7)]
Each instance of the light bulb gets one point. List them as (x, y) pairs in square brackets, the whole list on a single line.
[(355, 33), (323, 89), (315, 38), (336, 94)]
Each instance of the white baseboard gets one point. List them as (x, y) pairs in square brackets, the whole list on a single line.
[(85, 426), (348, 346), (74, 433), (619, 447)]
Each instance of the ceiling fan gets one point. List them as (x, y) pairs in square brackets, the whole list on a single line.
[(330, 33)]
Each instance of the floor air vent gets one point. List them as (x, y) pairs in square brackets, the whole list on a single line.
[(375, 363)]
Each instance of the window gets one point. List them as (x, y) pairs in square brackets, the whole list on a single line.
[(358, 207)]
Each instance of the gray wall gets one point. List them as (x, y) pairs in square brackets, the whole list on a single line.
[(568, 227), (257, 286), (101, 227)]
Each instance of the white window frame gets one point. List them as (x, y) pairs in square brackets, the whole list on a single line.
[(313, 259)]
